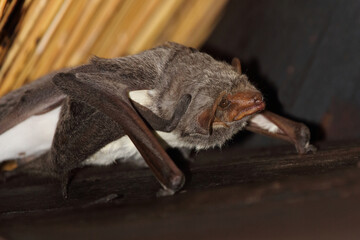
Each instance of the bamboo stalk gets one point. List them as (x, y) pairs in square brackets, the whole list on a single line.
[(93, 32), (8, 73), (2, 7), (74, 39), (62, 30), (146, 37), (135, 13), (130, 18), (211, 19), (134, 26), (110, 28), (55, 34), (119, 31), (8, 8), (174, 22), (28, 23), (200, 14), (8, 12), (48, 19), (42, 25)]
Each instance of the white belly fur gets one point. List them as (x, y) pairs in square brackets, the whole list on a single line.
[(122, 149), (34, 136), (30, 137), (125, 151)]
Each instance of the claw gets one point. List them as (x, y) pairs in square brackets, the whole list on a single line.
[(165, 192), (309, 148), (65, 181)]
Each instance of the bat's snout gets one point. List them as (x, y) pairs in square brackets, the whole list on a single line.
[(239, 105), (234, 107), (246, 104)]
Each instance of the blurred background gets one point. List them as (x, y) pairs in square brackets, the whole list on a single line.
[(303, 55)]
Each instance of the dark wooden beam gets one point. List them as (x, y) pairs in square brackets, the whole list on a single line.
[(263, 193)]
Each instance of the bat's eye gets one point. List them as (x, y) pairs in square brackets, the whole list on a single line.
[(224, 103)]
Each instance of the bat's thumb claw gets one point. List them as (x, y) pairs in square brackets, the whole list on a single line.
[(64, 192), (165, 192), (65, 181), (309, 148)]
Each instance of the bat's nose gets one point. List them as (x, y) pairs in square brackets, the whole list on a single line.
[(245, 103), (258, 98), (246, 98)]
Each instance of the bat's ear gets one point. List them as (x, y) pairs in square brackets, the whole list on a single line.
[(206, 118), (237, 65)]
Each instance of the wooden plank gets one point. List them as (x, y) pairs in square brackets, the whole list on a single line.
[(235, 193)]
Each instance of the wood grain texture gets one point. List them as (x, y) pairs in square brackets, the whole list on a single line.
[(272, 193)]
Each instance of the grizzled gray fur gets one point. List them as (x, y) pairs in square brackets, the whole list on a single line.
[(175, 70)]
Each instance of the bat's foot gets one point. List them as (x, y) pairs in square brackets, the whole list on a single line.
[(309, 148), (302, 139), (165, 192), (305, 148)]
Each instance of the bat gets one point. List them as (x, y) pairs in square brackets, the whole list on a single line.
[(130, 109)]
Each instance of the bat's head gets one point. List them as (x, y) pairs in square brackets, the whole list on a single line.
[(230, 108), (222, 102), (222, 98), (234, 105)]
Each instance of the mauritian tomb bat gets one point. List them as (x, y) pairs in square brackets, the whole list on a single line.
[(108, 109)]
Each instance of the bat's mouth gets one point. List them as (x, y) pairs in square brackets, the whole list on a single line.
[(237, 111), (249, 111), (229, 109)]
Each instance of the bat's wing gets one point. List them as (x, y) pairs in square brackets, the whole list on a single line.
[(32, 99), (115, 103), (273, 125)]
